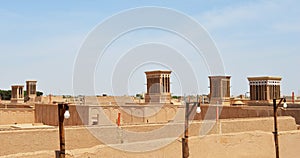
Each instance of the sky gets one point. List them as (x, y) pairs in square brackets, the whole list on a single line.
[(41, 40)]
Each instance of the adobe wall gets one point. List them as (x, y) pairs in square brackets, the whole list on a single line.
[(229, 112), (48, 115), (19, 141), (151, 114), (16, 115), (246, 145), (106, 115), (253, 124), (50, 99)]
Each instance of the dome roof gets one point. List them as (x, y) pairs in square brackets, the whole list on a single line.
[(238, 102)]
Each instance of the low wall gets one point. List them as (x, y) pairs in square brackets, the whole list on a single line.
[(48, 115), (23, 141), (245, 145), (285, 123), (140, 114), (16, 115), (19, 141), (106, 115), (229, 112)]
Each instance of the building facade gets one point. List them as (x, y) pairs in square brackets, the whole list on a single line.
[(31, 90), (219, 89), (264, 88), (158, 87), (17, 94)]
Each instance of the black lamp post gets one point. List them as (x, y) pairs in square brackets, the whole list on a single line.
[(275, 107), (63, 113), (185, 145)]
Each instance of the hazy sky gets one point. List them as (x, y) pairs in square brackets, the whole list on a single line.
[(40, 40)]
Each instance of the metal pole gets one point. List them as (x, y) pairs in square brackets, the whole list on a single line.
[(61, 111), (275, 128), (185, 146)]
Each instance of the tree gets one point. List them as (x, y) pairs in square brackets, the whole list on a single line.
[(139, 96), (5, 94), (175, 97), (38, 93)]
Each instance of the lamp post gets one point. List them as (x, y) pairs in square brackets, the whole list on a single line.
[(275, 107), (63, 113), (185, 146)]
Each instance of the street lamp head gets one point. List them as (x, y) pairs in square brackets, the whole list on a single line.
[(67, 113), (198, 110), (284, 103)]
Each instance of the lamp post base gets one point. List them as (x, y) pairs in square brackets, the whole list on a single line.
[(59, 154), (185, 148)]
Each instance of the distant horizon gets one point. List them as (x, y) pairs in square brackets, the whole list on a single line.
[(42, 40), (101, 94)]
